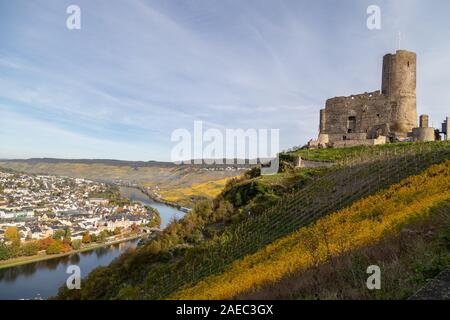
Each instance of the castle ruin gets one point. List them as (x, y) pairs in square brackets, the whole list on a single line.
[(377, 117)]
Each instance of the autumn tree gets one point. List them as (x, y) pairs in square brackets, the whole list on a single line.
[(154, 247), (12, 234), (30, 248), (45, 243), (156, 220), (76, 244), (102, 236), (134, 228), (86, 237), (54, 248)]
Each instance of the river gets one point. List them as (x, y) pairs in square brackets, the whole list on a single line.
[(166, 212), (42, 279)]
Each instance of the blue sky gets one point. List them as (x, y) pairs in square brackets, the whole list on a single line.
[(137, 70)]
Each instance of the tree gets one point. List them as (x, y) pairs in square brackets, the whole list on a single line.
[(203, 209), (76, 244), (67, 236), (156, 220), (5, 251), (224, 210), (134, 228), (65, 247), (195, 237), (117, 231), (45, 243), (30, 248), (102, 236), (12, 234), (86, 237), (54, 248), (238, 199), (59, 234), (154, 247)]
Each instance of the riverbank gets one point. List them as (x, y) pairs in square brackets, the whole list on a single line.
[(152, 196), (42, 257)]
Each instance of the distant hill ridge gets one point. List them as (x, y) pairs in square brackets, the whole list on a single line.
[(95, 161), (136, 164)]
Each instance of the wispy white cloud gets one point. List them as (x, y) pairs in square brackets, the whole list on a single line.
[(138, 70)]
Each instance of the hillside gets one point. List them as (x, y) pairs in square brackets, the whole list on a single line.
[(183, 184), (363, 223), (217, 235)]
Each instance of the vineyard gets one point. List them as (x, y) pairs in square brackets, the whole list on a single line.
[(363, 223), (356, 176), (152, 273)]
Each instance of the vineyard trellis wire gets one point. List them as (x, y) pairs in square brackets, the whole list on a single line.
[(354, 177)]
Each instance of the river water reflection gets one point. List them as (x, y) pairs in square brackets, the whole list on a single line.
[(43, 278)]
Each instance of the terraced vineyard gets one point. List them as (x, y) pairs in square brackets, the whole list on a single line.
[(355, 177)]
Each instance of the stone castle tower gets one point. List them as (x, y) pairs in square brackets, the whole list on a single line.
[(375, 117), (399, 84)]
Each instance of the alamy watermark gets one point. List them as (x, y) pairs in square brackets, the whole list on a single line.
[(234, 146), (374, 19), (73, 21), (73, 282), (374, 280)]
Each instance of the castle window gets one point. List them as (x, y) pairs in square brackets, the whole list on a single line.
[(351, 124), (408, 64)]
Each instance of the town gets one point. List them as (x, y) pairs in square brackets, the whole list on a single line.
[(38, 211)]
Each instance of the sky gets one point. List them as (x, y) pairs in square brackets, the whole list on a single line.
[(138, 70)]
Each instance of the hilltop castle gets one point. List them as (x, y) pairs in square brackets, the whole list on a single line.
[(377, 117)]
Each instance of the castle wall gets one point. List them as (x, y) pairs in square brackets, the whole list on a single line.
[(355, 143), (391, 112), (356, 117), (424, 121), (423, 134)]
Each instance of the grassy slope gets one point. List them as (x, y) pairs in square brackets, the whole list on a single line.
[(361, 224), (342, 153)]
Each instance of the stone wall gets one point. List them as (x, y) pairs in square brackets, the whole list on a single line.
[(355, 143), (356, 117), (390, 112), (423, 134)]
